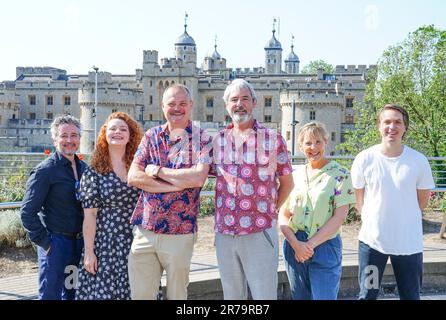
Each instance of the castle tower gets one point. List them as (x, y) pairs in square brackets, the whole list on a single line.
[(214, 64), (273, 54), (292, 61), (185, 48)]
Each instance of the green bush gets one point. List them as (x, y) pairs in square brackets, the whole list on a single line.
[(442, 205), (12, 187), (209, 185), (12, 232), (352, 216), (207, 206)]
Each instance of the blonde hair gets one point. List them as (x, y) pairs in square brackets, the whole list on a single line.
[(314, 129)]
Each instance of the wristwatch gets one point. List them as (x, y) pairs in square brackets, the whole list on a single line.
[(155, 171)]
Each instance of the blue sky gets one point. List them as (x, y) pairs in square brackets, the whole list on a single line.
[(76, 34)]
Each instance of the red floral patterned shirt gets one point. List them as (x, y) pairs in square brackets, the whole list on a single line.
[(247, 169)]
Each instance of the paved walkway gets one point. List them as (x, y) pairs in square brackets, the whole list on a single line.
[(204, 266)]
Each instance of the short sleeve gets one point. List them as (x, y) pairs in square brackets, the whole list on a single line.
[(142, 155), (284, 167), (357, 173), (204, 154), (89, 189), (344, 194), (425, 180)]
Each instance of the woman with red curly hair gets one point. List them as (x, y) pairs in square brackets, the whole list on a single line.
[(108, 203)]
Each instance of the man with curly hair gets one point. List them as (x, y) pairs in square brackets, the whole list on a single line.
[(52, 214)]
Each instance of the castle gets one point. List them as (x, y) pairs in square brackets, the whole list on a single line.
[(29, 104)]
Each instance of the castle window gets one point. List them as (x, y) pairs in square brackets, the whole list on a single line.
[(151, 83), (333, 136), (49, 115), (151, 100), (268, 101), (66, 100), (209, 118), (267, 119), (32, 116), (210, 102), (349, 102), (49, 100), (151, 117), (349, 118), (114, 110), (312, 115), (32, 100)]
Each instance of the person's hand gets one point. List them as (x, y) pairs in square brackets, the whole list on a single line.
[(90, 263), (152, 170), (303, 251)]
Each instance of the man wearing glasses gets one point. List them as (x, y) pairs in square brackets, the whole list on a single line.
[(52, 214)]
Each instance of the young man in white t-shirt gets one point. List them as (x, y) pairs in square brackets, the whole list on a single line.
[(392, 184)]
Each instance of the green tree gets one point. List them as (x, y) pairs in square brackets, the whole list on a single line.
[(313, 66), (413, 75)]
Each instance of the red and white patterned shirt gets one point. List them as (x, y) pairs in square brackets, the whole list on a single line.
[(247, 169)]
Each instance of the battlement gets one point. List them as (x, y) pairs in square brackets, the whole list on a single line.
[(150, 56), (171, 63), (351, 68), (53, 73), (247, 71)]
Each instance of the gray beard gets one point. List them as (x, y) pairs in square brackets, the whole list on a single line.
[(241, 118)]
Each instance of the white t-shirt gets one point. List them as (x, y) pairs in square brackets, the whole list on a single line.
[(391, 216)]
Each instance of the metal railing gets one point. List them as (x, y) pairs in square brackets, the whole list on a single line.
[(21, 163)]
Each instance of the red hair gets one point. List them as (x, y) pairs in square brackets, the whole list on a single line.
[(100, 160)]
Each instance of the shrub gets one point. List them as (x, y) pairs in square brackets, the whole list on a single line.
[(12, 187), (12, 232), (442, 205), (207, 206), (352, 216)]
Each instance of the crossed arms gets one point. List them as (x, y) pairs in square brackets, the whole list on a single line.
[(168, 180)]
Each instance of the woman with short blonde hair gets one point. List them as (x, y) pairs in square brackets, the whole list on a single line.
[(311, 219)]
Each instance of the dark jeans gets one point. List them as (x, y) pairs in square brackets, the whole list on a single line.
[(319, 277), (408, 270), (58, 271)]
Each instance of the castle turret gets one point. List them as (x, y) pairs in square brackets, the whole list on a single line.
[(273, 55), (185, 48), (214, 63), (292, 61)]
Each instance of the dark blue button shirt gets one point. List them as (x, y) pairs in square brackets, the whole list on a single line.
[(50, 202)]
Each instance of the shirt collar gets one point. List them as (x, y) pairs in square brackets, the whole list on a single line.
[(255, 126), (164, 128), (63, 160)]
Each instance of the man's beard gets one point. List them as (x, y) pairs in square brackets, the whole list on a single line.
[(241, 118)]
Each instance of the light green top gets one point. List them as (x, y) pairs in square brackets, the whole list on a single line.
[(312, 204)]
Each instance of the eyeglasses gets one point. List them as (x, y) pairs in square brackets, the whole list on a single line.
[(77, 191)]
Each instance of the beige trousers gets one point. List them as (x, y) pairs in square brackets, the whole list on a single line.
[(150, 255)]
